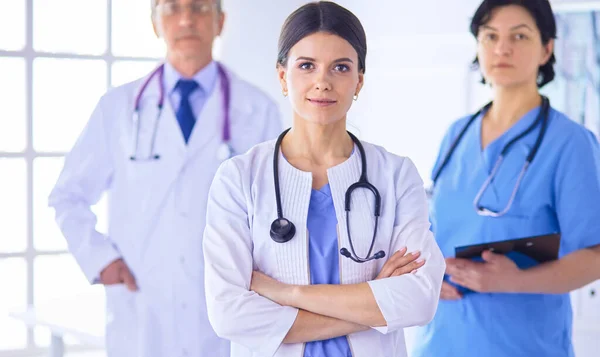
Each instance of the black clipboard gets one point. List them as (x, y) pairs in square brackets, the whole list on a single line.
[(542, 248)]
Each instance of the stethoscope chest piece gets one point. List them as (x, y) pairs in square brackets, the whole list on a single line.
[(282, 230)]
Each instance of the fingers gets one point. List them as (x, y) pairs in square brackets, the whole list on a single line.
[(449, 292), (491, 257), (454, 266), (411, 267), (401, 261), (111, 273), (389, 266), (128, 279)]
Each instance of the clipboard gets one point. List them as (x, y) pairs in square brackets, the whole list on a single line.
[(541, 249), (525, 252)]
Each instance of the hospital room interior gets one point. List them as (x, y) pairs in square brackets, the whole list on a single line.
[(59, 57)]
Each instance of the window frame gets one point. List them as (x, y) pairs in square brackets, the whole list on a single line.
[(29, 154)]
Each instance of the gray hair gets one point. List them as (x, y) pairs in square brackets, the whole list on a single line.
[(219, 3)]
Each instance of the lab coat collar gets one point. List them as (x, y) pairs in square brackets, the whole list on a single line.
[(206, 77), (208, 126), (340, 178)]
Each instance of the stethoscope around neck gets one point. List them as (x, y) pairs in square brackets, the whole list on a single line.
[(224, 152), (283, 230), (542, 117)]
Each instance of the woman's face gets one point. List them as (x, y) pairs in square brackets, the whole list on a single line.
[(321, 77), (510, 48)]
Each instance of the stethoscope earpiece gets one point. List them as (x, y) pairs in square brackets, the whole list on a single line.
[(282, 230)]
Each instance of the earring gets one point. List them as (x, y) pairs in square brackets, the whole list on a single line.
[(355, 97), (284, 92)]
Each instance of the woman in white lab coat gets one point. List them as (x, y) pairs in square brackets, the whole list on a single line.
[(297, 261)]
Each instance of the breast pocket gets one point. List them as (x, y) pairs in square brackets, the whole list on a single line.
[(121, 321)]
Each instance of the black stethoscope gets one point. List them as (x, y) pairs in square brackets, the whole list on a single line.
[(224, 152), (482, 211), (282, 230)]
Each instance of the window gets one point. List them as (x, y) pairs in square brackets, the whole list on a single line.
[(65, 91), (12, 85), (12, 21), (54, 70)]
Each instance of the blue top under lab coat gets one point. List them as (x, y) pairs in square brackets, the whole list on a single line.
[(559, 193), (324, 263)]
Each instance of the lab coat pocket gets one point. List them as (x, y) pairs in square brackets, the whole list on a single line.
[(121, 321), (153, 323)]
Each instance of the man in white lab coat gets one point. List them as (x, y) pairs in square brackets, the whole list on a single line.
[(157, 171)]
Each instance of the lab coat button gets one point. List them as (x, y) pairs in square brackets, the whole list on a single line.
[(182, 260)]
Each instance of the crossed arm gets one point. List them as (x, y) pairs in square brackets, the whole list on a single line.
[(329, 311)]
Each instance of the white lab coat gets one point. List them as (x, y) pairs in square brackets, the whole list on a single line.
[(157, 212), (241, 208)]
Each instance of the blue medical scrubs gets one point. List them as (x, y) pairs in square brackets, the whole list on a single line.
[(559, 193), (324, 263)]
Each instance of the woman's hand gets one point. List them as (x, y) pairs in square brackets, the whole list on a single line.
[(496, 274), (449, 292), (271, 289), (401, 263)]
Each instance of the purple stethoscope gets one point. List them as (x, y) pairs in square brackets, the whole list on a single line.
[(224, 152)]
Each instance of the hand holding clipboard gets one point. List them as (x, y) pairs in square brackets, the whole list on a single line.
[(524, 252)]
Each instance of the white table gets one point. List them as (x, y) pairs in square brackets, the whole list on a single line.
[(81, 316)]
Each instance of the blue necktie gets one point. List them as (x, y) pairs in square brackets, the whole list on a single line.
[(185, 115)]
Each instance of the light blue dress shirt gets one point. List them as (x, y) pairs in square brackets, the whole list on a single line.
[(324, 263), (559, 193), (206, 79)]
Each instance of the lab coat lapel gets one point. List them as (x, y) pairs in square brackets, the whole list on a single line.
[(341, 177), (207, 129), (169, 145), (168, 137)]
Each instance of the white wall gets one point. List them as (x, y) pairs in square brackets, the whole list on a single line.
[(249, 42), (417, 68)]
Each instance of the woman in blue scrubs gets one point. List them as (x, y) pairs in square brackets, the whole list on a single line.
[(498, 306)]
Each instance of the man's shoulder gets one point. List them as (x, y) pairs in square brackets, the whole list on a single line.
[(246, 91)]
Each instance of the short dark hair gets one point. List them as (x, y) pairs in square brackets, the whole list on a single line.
[(322, 16), (540, 10)]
